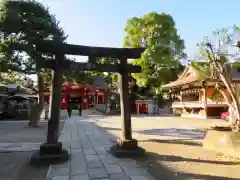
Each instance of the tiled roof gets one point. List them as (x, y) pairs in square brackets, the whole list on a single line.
[(183, 79)]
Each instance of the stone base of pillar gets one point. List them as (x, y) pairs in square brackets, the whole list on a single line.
[(127, 148), (49, 154)]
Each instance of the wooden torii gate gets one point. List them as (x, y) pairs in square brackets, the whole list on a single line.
[(51, 151)]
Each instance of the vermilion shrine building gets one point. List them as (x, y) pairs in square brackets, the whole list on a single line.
[(90, 97), (193, 98)]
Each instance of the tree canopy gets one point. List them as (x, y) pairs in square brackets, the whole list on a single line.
[(222, 43), (164, 48), (26, 22), (217, 64)]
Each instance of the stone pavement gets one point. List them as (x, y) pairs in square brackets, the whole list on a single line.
[(19, 147), (90, 159)]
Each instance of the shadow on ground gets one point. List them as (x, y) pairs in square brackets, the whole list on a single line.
[(173, 132), (155, 163), (152, 161), (170, 132), (187, 142)]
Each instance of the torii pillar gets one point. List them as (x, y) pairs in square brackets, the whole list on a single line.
[(126, 145), (51, 151)]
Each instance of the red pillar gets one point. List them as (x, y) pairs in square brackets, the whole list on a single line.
[(105, 97), (96, 98), (87, 98), (82, 97)]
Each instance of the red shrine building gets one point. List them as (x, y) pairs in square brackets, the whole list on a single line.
[(193, 98), (88, 96)]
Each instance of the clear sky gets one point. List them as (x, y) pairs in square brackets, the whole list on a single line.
[(102, 22)]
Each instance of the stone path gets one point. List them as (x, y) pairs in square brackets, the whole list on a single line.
[(19, 147), (90, 159)]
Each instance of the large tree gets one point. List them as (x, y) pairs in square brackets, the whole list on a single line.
[(12, 77), (218, 66), (26, 22), (164, 48), (111, 78)]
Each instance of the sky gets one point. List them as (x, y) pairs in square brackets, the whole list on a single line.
[(102, 22)]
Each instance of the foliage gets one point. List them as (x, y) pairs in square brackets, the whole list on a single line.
[(26, 22), (164, 48), (111, 78), (224, 40), (223, 50), (217, 65), (12, 77)]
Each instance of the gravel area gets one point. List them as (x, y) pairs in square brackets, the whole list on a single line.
[(169, 161), (174, 148)]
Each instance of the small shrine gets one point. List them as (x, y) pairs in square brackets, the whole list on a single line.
[(16, 101), (192, 97), (89, 96)]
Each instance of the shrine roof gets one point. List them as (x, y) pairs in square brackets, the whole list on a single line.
[(180, 82), (190, 76), (16, 88)]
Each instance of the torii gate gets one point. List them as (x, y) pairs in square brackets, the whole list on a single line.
[(51, 151)]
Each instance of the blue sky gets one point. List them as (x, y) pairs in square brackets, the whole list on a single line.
[(102, 22)]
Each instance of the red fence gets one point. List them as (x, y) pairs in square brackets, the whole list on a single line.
[(139, 106)]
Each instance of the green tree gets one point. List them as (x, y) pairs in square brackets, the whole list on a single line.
[(26, 22), (11, 77), (111, 78), (216, 65), (164, 48)]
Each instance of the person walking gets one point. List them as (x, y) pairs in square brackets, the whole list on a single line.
[(69, 108)]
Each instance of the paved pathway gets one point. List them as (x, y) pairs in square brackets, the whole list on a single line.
[(90, 159)]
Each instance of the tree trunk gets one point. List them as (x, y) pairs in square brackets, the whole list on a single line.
[(38, 109), (233, 103)]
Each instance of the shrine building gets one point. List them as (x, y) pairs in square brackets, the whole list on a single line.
[(94, 96), (192, 97)]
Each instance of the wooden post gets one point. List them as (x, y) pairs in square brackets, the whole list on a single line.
[(87, 100), (54, 106), (138, 106), (96, 98), (126, 146), (205, 100), (205, 95), (52, 151), (124, 103), (82, 100)]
